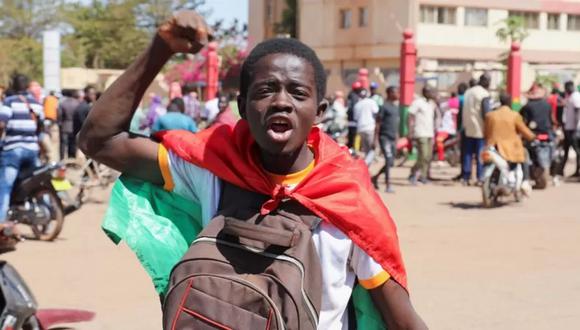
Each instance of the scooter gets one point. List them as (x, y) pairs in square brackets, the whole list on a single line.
[(540, 151), (18, 307), (35, 201), (501, 179)]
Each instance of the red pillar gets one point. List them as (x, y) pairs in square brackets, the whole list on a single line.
[(514, 74), (407, 76), (363, 78), (212, 71)]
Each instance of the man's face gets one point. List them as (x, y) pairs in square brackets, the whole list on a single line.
[(281, 104), (393, 95), (91, 95), (223, 103)]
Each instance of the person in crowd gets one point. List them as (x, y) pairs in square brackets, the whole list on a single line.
[(503, 128), (211, 109), (421, 132), (82, 111), (174, 118), (226, 116), (537, 113), (175, 91), (557, 104), (281, 97), (472, 120), (336, 118), (376, 96), (66, 111), (19, 148), (448, 126), (192, 106), (155, 111), (387, 133), (50, 105), (35, 91), (461, 89), (353, 98), (365, 112), (571, 119)]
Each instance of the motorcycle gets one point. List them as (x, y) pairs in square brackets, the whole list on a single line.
[(501, 179), (35, 201), (19, 309), (540, 151)]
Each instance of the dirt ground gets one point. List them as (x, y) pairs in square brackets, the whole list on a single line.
[(513, 267)]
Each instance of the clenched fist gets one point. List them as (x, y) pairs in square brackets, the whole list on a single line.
[(185, 32)]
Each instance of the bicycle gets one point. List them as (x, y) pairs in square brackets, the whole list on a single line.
[(87, 176)]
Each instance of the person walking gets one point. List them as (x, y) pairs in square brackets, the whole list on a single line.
[(66, 112), (377, 97), (387, 132), (473, 125), (421, 131), (571, 119), (174, 118), (82, 111), (365, 111)]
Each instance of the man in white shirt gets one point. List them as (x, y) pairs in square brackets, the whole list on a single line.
[(365, 111), (571, 118), (422, 131), (473, 124)]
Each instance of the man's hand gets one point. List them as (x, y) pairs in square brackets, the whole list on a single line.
[(185, 32)]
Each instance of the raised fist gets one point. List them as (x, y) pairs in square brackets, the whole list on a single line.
[(185, 32)]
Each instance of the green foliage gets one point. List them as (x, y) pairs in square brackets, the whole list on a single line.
[(27, 18), (152, 13), (548, 80), (24, 56), (288, 24), (512, 29)]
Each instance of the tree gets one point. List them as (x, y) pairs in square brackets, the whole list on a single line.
[(152, 13), (27, 18), (24, 56), (513, 29), (288, 24), (105, 33)]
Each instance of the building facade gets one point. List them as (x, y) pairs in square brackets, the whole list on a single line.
[(456, 39)]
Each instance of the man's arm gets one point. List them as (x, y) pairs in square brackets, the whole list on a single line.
[(104, 135), (395, 306)]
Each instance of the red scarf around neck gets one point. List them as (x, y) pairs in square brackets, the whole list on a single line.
[(338, 189)]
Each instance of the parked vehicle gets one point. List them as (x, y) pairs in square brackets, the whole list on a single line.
[(541, 152), (35, 201), (18, 307), (501, 179)]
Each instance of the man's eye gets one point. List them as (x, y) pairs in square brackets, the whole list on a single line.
[(264, 90), (300, 93)]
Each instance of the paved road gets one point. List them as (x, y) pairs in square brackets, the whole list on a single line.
[(514, 267)]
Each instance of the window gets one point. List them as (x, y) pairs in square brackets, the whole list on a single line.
[(363, 16), (553, 21), (475, 17), (531, 19), (345, 18), (574, 22), (437, 15)]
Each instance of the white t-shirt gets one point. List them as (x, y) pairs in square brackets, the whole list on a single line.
[(211, 110), (340, 260), (570, 117), (365, 111), (424, 112)]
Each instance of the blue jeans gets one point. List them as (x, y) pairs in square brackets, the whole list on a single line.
[(11, 162), (473, 147)]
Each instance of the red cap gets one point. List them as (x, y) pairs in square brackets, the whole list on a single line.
[(356, 85)]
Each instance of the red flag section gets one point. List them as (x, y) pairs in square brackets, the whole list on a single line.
[(338, 189)]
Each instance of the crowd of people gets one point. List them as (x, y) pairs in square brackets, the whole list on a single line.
[(469, 117)]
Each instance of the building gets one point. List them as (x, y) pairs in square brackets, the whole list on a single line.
[(456, 39)]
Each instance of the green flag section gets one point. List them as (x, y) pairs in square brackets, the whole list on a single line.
[(159, 226)]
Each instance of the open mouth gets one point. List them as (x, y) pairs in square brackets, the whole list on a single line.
[(279, 129)]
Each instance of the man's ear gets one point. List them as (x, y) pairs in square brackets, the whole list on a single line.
[(242, 106), (322, 107)]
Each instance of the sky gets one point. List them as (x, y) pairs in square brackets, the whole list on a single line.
[(228, 10)]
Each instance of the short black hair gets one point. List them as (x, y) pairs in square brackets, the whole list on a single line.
[(391, 89), (461, 88), (505, 99), (569, 86), (283, 46), (176, 105)]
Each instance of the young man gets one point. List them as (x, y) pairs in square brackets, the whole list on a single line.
[(365, 112), (18, 138), (281, 98), (571, 118), (174, 118), (473, 124), (226, 115), (66, 111), (386, 134), (422, 131)]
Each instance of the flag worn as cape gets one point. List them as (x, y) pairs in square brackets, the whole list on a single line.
[(338, 189)]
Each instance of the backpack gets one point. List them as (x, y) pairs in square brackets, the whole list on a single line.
[(248, 271)]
